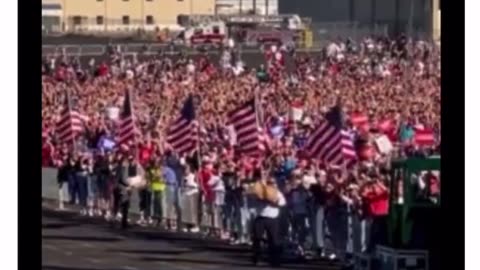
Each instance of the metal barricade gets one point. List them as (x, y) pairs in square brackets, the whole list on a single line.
[(191, 209), (212, 206)]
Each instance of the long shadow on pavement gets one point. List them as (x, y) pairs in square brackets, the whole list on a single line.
[(195, 261), (81, 238), (59, 225), (188, 243), (239, 264), (151, 252), (55, 267)]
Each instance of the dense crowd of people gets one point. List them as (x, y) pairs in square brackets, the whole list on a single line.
[(389, 91)]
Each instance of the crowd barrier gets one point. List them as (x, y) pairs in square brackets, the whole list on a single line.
[(344, 233)]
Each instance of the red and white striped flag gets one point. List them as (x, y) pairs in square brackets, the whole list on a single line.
[(182, 134), (330, 142), (70, 123), (126, 130), (248, 132)]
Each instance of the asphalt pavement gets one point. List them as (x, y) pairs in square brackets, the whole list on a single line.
[(71, 242)]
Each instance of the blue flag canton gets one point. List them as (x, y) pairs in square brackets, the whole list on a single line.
[(335, 117), (188, 110)]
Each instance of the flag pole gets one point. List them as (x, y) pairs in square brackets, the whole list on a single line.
[(199, 159), (257, 110), (136, 149), (69, 104)]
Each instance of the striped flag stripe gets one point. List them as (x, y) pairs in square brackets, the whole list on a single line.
[(247, 121), (240, 116), (184, 140), (178, 126), (70, 123), (126, 130), (330, 142), (244, 121), (179, 141), (253, 135), (182, 134), (245, 133), (319, 137), (331, 147)]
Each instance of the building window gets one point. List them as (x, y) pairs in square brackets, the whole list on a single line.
[(99, 20), (126, 20), (149, 19), (77, 20)]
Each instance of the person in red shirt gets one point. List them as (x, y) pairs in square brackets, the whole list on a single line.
[(146, 150), (376, 197), (204, 175), (102, 70)]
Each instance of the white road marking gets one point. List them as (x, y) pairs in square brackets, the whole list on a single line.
[(129, 268), (179, 266), (92, 260), (50, 247), (86, 245)]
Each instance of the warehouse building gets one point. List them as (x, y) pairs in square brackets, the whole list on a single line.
[(118, 15)]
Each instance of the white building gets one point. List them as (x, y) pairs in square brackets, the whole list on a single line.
[(263, 7)]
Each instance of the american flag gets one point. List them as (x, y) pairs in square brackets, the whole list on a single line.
[(70, 123), (126, 130), (182, 134), (247, 129), (330, 142)]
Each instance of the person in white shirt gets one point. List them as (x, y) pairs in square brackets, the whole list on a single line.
[(218, 187), (267, 221), (190, 191)]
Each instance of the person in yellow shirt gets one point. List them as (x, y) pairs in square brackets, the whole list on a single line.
[(157, 187)]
